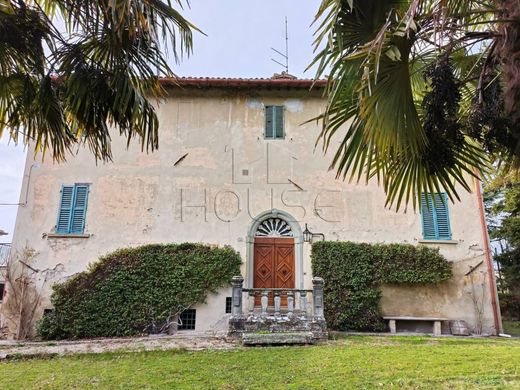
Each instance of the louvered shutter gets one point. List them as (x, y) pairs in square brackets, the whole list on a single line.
[(435, 217), (269, 122), (80, 209), (428, 220), (65, 212), (442, 217), (279, 122)]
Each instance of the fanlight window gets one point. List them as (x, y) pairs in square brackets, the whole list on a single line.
[(274, 227)]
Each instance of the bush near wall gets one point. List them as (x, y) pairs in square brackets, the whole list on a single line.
[(353, 273), (133, 291), (509, 305)]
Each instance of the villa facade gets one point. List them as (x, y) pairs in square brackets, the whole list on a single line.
[(238, 165)]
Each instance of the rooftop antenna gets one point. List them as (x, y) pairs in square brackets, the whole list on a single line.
[(286, 55)]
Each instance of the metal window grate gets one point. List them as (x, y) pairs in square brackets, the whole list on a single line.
[(187, 319), (228, 304)]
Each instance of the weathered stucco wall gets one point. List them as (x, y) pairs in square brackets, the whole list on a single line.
[(230, 175), (2, 280)]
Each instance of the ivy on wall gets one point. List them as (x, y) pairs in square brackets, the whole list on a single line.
[(354, 272), (136, 290)]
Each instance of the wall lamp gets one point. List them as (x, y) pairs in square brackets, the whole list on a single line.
[(308, 235)]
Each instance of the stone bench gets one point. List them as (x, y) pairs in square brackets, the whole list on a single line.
[(436, 322)]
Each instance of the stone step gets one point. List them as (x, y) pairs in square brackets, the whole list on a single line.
[(280, 338)]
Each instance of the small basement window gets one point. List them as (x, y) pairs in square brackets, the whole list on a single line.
[(187, 320), (2, 289), (228, 304)]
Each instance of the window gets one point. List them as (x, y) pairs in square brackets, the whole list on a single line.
[(274, 122), (435, 217), (228, 304), (2, 289), (187, 319), (73, 209)]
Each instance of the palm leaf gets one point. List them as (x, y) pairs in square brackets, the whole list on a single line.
[(376, 54)]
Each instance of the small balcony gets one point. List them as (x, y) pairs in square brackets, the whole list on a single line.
[(277, 315)]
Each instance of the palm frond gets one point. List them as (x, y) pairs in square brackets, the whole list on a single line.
[(377, 54), (102, 73)]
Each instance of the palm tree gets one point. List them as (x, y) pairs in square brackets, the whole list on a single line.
[(61, 89), (422, 95)]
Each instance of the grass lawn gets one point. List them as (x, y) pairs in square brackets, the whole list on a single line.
[(354, 362)]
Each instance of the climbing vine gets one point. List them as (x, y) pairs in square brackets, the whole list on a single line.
[(137, 290), (354, 272)]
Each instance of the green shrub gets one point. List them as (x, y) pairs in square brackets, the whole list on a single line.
[(509, 305), (133, 291), (353, 273)]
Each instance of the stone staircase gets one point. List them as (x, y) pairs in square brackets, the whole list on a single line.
[(287, 338), (294, 328), (278, 325)]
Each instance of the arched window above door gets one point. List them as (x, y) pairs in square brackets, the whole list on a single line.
[(274, 227)]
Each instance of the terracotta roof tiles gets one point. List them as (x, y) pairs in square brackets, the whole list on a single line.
[(231, 82)]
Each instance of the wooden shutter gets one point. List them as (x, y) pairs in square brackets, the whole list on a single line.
[(435, 217), (269, 122), (65, 212), (442, 217), (279, 121), (80, 209), (427, 215)]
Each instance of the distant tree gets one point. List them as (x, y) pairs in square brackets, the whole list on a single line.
[(421, 92), (503, 206), (61, 89)]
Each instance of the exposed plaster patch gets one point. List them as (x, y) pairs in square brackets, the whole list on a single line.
[(43, 189), (293, 105), (254, 104), (130, 197)]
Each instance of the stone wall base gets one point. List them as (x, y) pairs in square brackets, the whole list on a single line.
[(291, 324)]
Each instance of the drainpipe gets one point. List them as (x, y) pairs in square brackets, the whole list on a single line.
[(489, 265)]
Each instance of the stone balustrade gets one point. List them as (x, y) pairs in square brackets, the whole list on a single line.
[(295, 301), (281, 311)]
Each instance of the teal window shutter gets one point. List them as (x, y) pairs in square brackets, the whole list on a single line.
[(442, 217), (77, 224), (274, 122), (269, 122), (73, 209), (65, 212), (435, 217), (279, 122)]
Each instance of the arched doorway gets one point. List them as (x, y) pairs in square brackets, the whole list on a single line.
[(274, 258)]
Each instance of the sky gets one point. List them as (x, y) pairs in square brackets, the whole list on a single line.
[(239, 38)]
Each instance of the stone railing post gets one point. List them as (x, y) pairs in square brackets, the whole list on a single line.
[(264, 301), (277, 303), (236, 307), (303, 303), (251, 301), (317, 297), (290, 303)]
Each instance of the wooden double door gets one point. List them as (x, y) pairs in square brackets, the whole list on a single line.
[(273, 264)]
